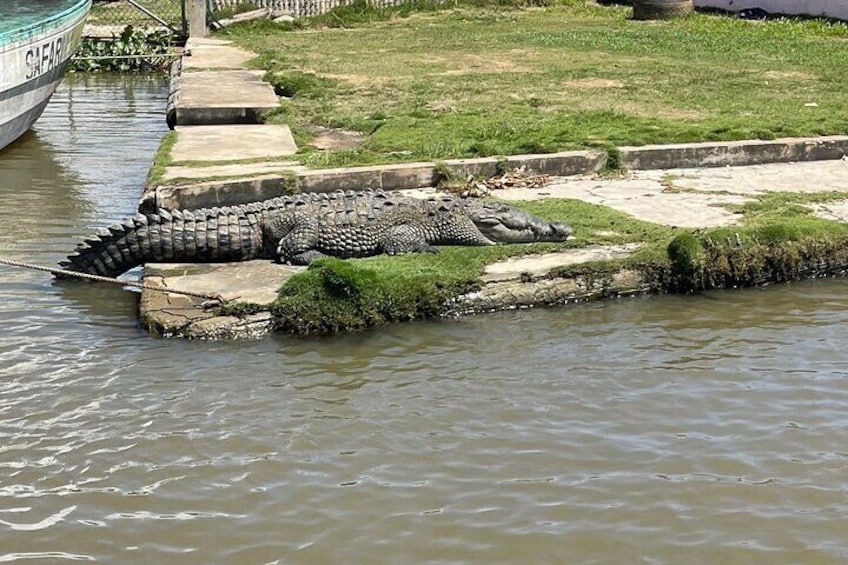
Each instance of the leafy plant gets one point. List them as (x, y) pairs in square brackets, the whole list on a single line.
[(132, 51)]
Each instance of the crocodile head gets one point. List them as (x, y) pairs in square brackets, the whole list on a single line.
[(505, 224)]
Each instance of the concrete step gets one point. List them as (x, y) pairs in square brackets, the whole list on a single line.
[(219, 97), (233, 142), (207, 53)]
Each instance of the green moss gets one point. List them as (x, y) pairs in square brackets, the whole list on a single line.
[(305, 85), (686, 253), (162, 159), (756, 254), (240, 309), (335, 295), (776, 234)]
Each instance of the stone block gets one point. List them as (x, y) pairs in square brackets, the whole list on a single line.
[(561, 164), (733, 153), (483, 167), (407, 176), (222, 97), (232, 142), (331, 180), (228, 192)]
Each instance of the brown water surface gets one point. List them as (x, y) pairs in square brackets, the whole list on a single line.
[(706, 429)]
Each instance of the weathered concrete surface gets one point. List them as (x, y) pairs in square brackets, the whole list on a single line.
[(221, 97), (534, 266), (836, 210), (691, 198), (228, 192), (203, 53), (516, 293), (232, 142), (175, 315)]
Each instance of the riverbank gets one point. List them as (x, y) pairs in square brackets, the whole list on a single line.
[(679, 230), (647, 219)]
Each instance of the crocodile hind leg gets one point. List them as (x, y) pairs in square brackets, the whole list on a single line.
[(405, 238), (296, 236)]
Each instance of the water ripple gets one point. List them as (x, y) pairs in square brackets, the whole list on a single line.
[(665, 429)]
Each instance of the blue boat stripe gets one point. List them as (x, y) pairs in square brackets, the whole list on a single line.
[(49, 77)]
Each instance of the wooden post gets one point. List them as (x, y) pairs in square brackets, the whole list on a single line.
[(197, 19)]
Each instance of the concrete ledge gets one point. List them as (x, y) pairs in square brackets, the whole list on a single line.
[(734, 153), (228, 192), (520, 282), (211, 53), (403, 176), (330, 180), (513, 294)]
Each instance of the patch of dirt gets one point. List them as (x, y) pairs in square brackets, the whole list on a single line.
[(790, 74), (471, 63), (590, 82), (328, 139), (630, 107), (360, 80)]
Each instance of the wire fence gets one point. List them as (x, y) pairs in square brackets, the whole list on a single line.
[(297, 8), (142, 14), (172, 14)]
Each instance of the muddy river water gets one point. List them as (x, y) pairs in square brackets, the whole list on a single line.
[(707, 429)]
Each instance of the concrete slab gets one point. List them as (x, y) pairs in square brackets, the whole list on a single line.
[(249, 281), (209, 53), (641, 198), (170, 314), (221, 97), (818, 176), (836, 210), (538, 265), (691, 198), (232, 142)]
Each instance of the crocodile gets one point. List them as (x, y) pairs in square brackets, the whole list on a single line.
[(300, 229)]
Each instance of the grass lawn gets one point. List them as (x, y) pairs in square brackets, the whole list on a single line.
[(477, 81)]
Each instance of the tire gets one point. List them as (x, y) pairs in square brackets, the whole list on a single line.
[(661, 9)]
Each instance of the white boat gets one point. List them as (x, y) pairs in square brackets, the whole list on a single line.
[(37, 40)]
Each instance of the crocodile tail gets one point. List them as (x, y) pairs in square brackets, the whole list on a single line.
[(207, 235)]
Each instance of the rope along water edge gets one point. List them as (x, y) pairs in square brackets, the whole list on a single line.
[(99, 278)]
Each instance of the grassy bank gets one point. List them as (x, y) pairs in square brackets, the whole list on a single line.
[(477, 81), (778, 239)]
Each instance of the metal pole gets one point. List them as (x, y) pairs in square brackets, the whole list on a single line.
[(197, 19), (183, 18)]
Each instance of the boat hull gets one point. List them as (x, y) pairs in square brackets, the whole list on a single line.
[(33, 60)]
